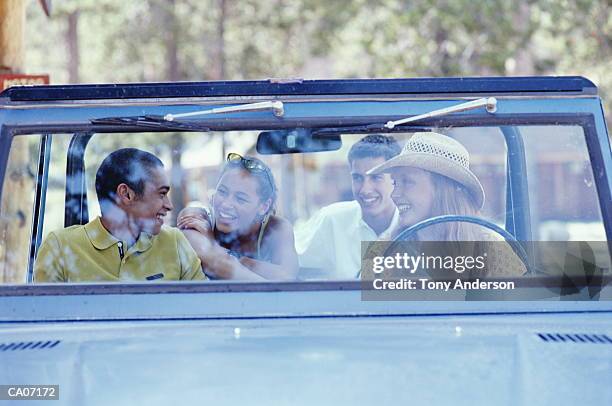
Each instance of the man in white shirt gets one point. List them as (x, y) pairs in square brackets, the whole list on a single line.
[(330, 241)]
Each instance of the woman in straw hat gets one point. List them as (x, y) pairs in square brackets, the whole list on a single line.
[(432, 177)]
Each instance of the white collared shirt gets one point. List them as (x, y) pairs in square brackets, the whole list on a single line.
[(331, 240)]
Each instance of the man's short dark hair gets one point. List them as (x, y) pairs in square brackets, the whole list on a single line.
[(128, 165), (374, 146)]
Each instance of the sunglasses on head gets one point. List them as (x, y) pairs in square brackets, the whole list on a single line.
[(250, 164), (247, 163)]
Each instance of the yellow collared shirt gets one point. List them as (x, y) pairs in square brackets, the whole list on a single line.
[(89, 253)]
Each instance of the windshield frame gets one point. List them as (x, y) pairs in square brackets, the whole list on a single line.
[(238, 301), (585, 119)]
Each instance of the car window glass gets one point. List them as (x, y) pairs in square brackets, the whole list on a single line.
[(16, 208), (562, 194), (56, 186)]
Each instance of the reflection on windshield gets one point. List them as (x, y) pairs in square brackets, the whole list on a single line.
[(305, 216)]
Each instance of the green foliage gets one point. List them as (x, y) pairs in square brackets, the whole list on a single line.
[(156, 40)]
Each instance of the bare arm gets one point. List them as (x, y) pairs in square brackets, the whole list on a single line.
[(219, 264), (216, 262), (279, 241)]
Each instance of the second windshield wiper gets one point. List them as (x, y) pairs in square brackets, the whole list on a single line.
[(366, 129), (490, 103), (151, 122)]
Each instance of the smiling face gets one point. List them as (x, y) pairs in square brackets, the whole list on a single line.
[(236, 203), (372, 192), (413, 194), (148, 211)]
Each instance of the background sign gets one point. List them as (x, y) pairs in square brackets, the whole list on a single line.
[(10, 80)]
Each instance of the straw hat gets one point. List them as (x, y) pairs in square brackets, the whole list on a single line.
[(439, 154)]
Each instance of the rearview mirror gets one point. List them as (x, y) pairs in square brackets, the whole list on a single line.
[(294, 141)]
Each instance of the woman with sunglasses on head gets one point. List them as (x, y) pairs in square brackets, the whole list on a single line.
[(241, 238)]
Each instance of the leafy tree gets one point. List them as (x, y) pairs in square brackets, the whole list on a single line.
[(158, 40)]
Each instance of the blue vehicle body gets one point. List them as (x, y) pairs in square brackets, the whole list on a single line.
[(309, 342)]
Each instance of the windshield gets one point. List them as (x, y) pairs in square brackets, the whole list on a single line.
[(193, 206)]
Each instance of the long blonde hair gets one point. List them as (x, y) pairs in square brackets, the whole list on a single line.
[(451, 198)]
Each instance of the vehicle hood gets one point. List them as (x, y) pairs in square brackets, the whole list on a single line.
[(476, 359)]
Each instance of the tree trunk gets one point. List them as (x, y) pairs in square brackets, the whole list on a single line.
[(171, 25), (72, 39), (12, 25), (218, 72), (444, 65), (524, 64), (15, 217), (218, 58), (173, 73)]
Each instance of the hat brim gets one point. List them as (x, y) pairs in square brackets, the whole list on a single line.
[(439, 165)]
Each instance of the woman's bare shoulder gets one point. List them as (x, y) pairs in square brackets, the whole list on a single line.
[(279, 226)]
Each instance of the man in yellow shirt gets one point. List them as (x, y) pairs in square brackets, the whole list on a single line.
[(127, 242)]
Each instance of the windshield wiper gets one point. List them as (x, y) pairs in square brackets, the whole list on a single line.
[(366, 129), (277, 107), (169, 122), (490, 103), (150, 121)]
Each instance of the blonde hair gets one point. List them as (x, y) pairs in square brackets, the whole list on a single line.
[(451, 198)]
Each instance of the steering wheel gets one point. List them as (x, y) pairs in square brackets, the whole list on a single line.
[(411, 231)]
